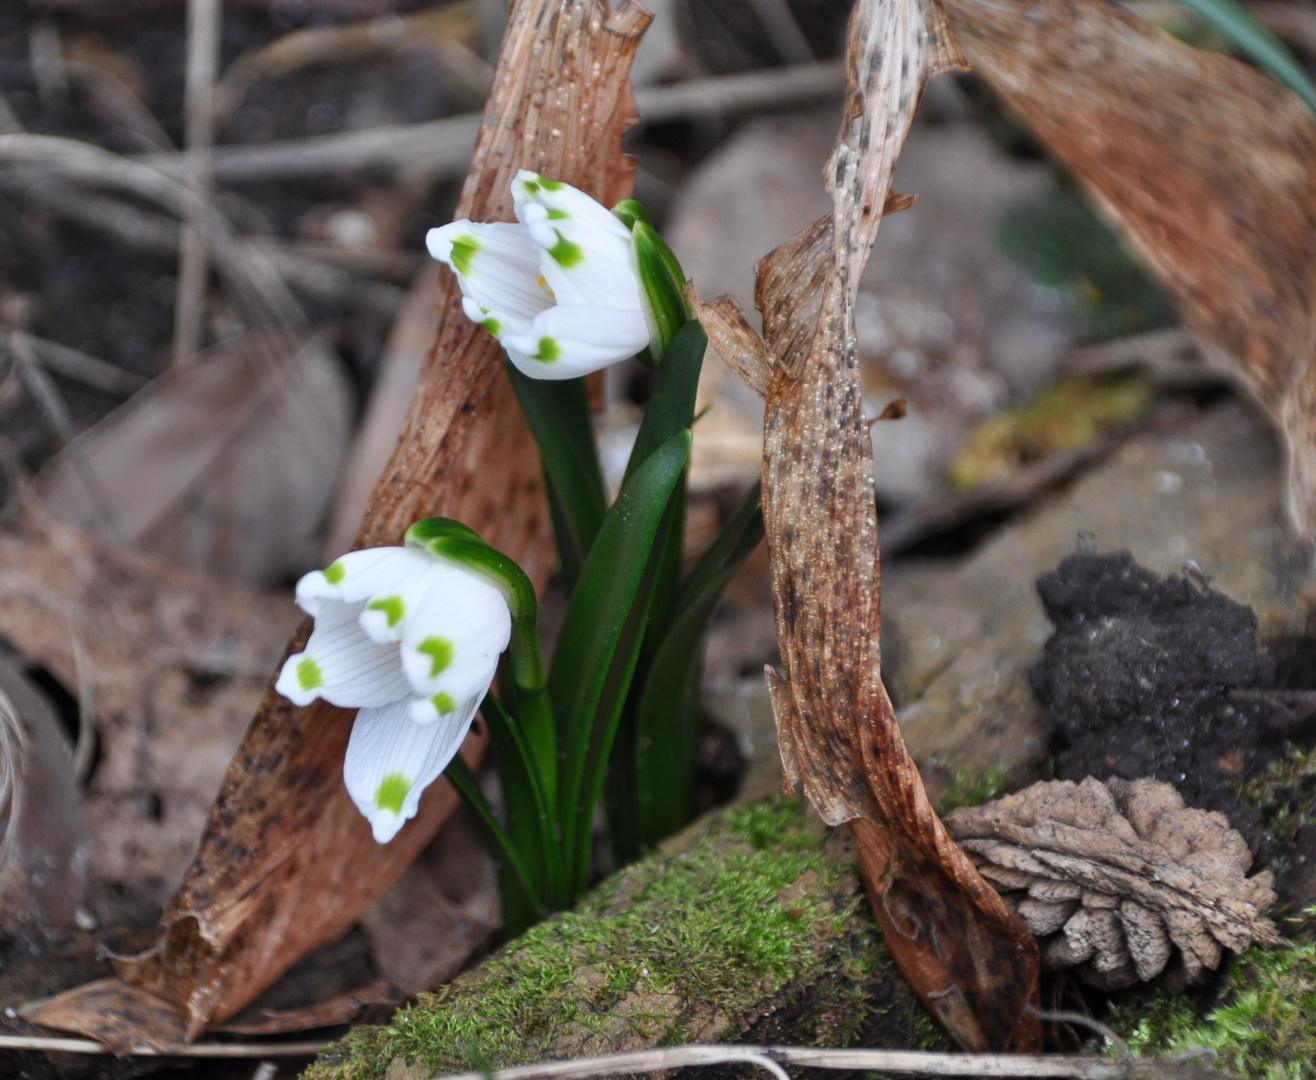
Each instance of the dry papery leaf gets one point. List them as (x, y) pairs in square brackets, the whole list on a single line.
[(42, 837), (287, 863), (1114, 876), (225, 465), (1206, 165), (169, 665), (972, 962)]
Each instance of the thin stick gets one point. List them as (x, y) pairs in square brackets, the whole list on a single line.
[(77, 365), (443, 147), (919, 1062), (43, 391), (202, 58), (189, 1050), (771, 1058)]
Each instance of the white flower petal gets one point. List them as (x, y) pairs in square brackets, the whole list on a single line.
[(398, 596), (586, 253), (391, 760), (530, 188), (497, 266), (452, 644), (571, 340), (350, 577), (498, 323), (342, 665)]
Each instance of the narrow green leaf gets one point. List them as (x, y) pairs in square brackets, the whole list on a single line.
[(529, 798), (670, 408), (571, 558), (589, 663), (667, 719), (666, 299), (461, 778), (614, 699), (558, 415), (629, 211), (1257, 43), (671, 404)]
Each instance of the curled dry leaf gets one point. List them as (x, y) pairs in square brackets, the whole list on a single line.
[(1116, 876), (973, 963), (286, 862), (1206, 165)]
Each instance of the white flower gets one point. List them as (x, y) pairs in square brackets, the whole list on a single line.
[(560, 289), (412, 641)]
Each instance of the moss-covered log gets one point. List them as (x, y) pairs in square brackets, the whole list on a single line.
[(751, 925)]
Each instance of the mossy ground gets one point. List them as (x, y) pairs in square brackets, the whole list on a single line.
[(1260, 1018), (681, 947), (1263, 1026)]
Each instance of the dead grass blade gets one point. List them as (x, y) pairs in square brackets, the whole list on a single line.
[(969, 959), (286, 862), (1207, 166)]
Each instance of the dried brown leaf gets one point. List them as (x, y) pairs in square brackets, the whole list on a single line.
[(1120, 871), (286, 862), (171, 664), (111, 1012), (42, 836), (1206, 165), (970, 960), (224, 466)]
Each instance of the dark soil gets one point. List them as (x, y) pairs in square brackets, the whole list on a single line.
[(1160, 677)]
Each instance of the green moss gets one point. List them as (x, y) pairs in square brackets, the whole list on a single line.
[(1067, 415), (1283, 794), (1263, 1026), (658, 951), (971, 786)]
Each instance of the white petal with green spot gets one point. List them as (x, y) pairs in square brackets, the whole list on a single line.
[(391, 760), (452, 643), (342, 665), (578, 340), (501, 277)]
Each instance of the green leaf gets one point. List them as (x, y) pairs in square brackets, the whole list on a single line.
[(670, 408), (600, 638), (671, 404), (526, 904), (629, 211), (667, 719), (558, 415), (664, 289), (528, 800), (1257, 43)]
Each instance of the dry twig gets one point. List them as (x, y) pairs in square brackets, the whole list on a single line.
[(770, 1058), (202, 59), (443, 147)]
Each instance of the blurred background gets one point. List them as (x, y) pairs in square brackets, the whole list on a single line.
[(340, 132)]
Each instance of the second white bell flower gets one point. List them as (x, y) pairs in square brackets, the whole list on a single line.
[(413, 642), (560, 289)]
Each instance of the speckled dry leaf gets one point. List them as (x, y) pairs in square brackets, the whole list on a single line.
[(1206, 165), (970, 960), (287, 862), (171, 663), (1115, 877)]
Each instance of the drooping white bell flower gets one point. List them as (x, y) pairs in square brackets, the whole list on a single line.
[(413, 642), (560, 289)]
